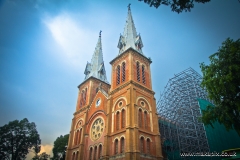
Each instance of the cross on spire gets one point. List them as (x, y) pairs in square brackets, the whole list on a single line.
[(129, 6)]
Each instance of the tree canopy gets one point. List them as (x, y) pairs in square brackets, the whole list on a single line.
[(176, 5), (17, 138), (59, 145), (42, 156), (221, 78)]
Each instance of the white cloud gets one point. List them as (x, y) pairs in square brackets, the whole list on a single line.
[(76, 42), (44, 148)]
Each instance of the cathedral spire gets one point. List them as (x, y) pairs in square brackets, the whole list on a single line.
[(130, 39), (96, 67)]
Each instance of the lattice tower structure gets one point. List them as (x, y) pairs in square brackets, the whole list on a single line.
[(179, 111)]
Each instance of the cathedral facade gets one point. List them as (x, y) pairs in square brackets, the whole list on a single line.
[(117, 120)]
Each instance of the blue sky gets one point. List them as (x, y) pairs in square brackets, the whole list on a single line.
[(44, 47)]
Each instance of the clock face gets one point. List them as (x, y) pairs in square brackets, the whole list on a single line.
[(98, 102), (97, 129)]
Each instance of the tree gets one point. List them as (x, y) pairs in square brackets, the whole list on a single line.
[(42, 156), (221, 78), (17, 138), (176, 5), (59, 146)]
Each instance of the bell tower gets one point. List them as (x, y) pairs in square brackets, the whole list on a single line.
[(95, 81), (134, 132)]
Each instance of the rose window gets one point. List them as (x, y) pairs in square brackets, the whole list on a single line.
[(97, 129)]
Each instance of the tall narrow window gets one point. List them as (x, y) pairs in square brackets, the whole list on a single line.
[(143, 75), (95, 153), (85, 97), (80, 136), (145, 120), (99, 151), (116, 146), (142, 144), (138, 72), (76, 137), (148, 146), (123, 71), (118, 74), (140, 118), (123, 118), (118, 121), (91, 154), (81, 102), (73, 156), (77, 156), (122, 145)]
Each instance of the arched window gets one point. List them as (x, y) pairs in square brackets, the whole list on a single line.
[(148, 146), (118, 120), (76, 137), (123, 71), (96, 90), (140, 118), (122, 145), (99, 151), (123, 118), (145, 119), (95, 153), (73, 156), (143, 75), (142, 144), (138, 72), (91, 154), (85, 97), (77, 156), (116, 146), (80, 136), (118, 74), (81, 101)]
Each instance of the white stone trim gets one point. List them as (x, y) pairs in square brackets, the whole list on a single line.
[(114, 105), (150, 108), (149, 139), (115, 139), (112, 121), (142, 136)]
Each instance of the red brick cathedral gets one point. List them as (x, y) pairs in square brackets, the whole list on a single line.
[(117, 121)]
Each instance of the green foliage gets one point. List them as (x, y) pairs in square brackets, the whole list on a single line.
[(221, 78), (59, 145), (17, 138), (176, 5)]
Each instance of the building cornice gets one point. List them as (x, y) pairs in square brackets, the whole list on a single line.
[(81, 110), (93, 79), (134, 83), (127, 51)]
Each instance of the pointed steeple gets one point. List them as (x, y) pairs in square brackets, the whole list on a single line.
[(96, 67), (130, 39)]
